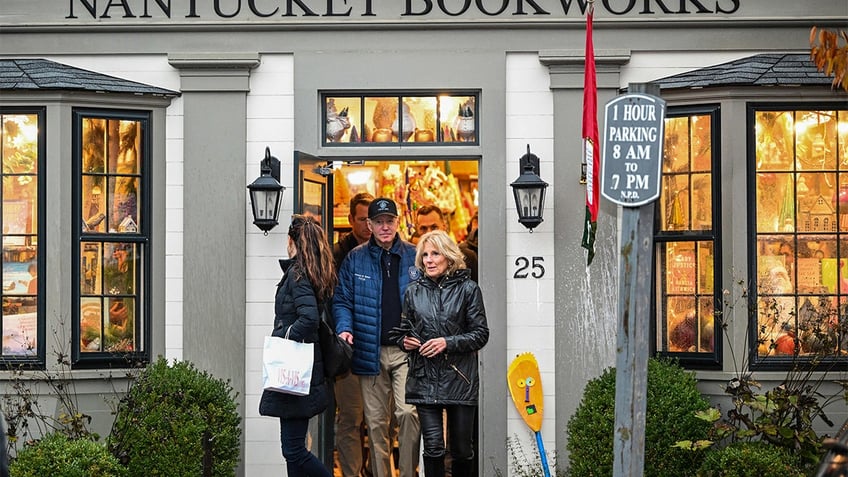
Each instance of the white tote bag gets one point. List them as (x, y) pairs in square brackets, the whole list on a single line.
[(287, 365)]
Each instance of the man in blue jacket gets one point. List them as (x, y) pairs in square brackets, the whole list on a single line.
[(367, 305)]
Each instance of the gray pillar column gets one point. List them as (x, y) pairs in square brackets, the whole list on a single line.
[(214, 91), (585, 328)]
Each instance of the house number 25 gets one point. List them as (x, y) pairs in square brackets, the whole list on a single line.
[(531, 266)]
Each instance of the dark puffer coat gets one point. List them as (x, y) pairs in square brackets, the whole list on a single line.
[(451, 308), (295, 305)]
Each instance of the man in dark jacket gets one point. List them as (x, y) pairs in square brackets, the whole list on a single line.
[(429, 218), (366, 306), (346, 388)]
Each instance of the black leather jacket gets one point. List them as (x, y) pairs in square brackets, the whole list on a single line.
[(295, 306), (451, 308)]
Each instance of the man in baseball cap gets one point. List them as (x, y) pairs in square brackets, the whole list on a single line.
[(382, 206), (367, 305)]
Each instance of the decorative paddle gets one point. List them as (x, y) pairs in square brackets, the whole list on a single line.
[(525, 386)]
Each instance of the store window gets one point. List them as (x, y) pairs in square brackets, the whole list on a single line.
[(22, 157), (687, 250), (111, 201), (419, 118), (799, 253)]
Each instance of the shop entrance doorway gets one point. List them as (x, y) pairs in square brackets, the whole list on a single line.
[(324, 189)]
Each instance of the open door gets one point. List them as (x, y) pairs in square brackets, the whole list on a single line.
[(314, 189), (313, 196)]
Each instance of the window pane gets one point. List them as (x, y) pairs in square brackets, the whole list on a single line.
[(119, 268), (91, 276), (94, 203), (94, 146), (110, 199), (414, 118), (91, 325), (801, 213), (457, 116), (128, 142), (111, 251), (20, 191), (812, 128), (380, 113), (774, 130), (701, 143), (676, 145), (342, 120), (419, 119), (123, 204), (842, 139), (119, 333), (675, 202), (702, 202), (686, 296), (685, 256)]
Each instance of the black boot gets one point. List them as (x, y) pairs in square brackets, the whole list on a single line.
[(461, 468), (434, 466)]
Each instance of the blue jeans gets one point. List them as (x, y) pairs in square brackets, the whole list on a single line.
[(299, 461)]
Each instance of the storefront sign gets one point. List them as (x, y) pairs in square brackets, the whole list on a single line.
[(344, 13), (632, 149), (366, 8)]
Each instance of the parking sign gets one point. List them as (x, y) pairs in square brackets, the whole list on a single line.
[(632, 149)]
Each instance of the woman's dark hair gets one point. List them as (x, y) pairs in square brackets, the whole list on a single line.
[(314, 255)]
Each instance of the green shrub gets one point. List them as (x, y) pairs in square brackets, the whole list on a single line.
[(160, 424), (672, 399), (749, 459), (58, 456)]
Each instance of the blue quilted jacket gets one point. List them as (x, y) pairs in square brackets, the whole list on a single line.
[(357, 303)]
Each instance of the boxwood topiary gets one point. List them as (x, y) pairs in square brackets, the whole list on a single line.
[(749, 459), (166, 416), (58, 456), (672, 399)]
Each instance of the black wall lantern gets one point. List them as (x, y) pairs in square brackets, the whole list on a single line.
[(529, 191), (266, 193)]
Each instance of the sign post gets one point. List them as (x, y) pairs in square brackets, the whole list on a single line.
[(631, 166)]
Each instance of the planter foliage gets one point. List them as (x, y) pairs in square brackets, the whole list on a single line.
[(57, 455), (174, 421), (672, 400), (749, 459)]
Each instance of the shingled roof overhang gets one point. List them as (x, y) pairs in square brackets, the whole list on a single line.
[(40, 74), (771, 69)]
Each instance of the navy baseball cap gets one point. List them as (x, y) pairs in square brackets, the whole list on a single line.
[(382, 206)]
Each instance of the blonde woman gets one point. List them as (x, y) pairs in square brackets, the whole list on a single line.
[(444, 325)]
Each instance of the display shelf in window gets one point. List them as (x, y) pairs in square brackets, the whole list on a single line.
[(383, 119), (21, 301), (112, 166), (801, 214)]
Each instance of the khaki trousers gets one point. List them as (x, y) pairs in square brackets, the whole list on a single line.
[(349, 424), (381, 396)]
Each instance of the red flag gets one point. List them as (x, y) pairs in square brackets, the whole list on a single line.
[(591, 148)]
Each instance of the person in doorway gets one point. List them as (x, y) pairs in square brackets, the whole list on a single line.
[(444, 326), (309, 281), (366, 306), (429, 218), (346, 388)]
